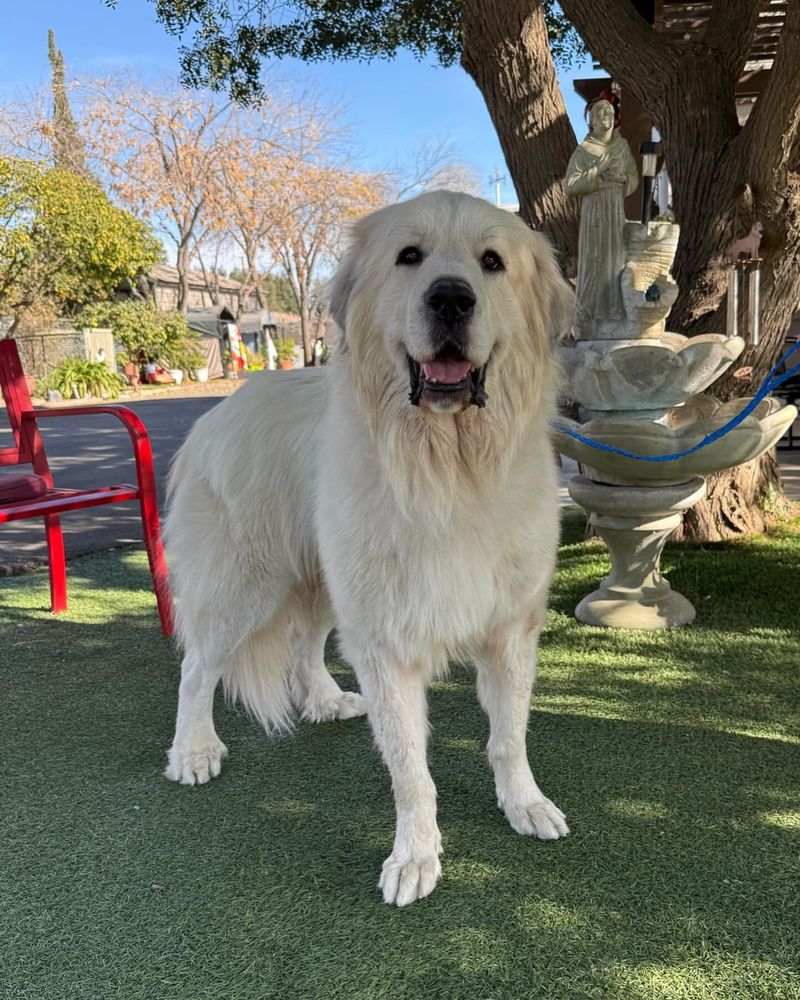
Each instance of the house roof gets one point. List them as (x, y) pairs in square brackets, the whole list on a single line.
[(255, 320), (169, 276)]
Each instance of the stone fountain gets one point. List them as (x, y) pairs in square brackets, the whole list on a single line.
[(642, 389)]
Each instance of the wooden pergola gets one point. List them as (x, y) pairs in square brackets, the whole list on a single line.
[(688, 17)]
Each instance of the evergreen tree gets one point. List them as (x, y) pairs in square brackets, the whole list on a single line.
[(68, 151)]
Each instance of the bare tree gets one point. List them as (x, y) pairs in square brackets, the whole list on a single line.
[(160, 152), (434, 164)]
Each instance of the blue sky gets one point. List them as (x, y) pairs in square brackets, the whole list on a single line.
[(392, 106)]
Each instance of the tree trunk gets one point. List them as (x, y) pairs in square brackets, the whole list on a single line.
[(258, 288), (305, 326), (506, 52), (182, 267), (734, 503)]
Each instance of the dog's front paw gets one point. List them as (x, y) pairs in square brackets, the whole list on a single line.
[(539, 818), (195, 765), (405, 879)]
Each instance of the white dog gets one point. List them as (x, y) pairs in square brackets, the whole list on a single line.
[(405, 493)]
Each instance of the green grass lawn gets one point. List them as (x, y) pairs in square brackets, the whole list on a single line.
[(675, 756)]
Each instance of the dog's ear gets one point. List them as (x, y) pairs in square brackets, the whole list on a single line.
[(555, 294), (340, 287), (560, 304), (562, 307)]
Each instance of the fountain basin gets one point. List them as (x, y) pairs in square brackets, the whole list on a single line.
[(686, 426), (648, 376)]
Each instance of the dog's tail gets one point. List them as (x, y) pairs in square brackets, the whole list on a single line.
[(257, 676)]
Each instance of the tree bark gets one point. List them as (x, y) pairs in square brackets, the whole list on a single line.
[(182, 267), (734, 503), (506, 52)]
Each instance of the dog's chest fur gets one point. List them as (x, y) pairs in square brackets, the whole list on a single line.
[(449, 573)]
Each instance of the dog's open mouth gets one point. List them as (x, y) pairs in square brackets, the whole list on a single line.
[(448, 374)]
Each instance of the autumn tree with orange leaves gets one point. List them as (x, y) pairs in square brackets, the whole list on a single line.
[(160, 152), (287, 197), (316, 203), (263, 144)]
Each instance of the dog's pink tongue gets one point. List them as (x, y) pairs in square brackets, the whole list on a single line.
[(446, 371)]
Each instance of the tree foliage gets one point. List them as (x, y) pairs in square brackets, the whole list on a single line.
[(230, 39), (144, 333), (278, 293), (312, 208), (62, 242)]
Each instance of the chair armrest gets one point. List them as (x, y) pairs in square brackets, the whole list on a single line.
[(132, 422), (142, 452)]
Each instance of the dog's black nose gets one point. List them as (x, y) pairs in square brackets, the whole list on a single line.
[(451, 300)]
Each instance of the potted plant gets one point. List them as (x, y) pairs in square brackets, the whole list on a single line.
[(130, 369), (196, 364), (285, 349)]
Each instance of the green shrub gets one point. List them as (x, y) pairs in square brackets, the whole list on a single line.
[(145, 335), (87, 378)]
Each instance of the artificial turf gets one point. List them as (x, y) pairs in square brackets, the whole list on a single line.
[(674, 755)]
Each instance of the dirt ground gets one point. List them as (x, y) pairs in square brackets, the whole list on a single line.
[(216, 387)]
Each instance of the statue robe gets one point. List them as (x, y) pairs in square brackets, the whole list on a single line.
[(601, 247)]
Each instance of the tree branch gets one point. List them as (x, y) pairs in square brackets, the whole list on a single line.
[(772, 131), (730, 30), (623, 41)]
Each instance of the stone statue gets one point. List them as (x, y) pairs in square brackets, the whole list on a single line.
[(602, 172)]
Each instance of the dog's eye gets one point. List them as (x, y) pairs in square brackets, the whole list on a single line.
[(491, 261), (409, 255)]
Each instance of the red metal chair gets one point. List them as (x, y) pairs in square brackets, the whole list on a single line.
[(36, 495)]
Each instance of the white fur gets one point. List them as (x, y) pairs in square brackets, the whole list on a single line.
[(323, 497)]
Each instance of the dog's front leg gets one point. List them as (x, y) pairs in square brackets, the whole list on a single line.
[(506, 672), (397, 710)]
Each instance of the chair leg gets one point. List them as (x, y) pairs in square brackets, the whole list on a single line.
[(158, 563), (58, 564)]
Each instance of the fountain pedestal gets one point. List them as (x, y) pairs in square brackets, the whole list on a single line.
[(640, 392), (635, 523)]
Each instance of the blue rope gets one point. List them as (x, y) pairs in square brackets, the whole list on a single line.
[(775, 379)]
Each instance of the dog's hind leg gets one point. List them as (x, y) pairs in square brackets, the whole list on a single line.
[(506, 671), (197, 752), (315, 694)]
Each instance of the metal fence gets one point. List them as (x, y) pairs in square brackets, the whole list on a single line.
[(44, 350)]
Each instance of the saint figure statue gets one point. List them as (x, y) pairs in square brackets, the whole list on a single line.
[(603, 173)]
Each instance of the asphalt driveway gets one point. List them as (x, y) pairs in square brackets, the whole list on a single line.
[(85, 452)]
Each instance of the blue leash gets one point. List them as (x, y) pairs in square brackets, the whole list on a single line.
[(775, 379)]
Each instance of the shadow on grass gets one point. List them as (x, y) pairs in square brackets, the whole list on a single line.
[(262, 884), (734, 585), (673, 754)]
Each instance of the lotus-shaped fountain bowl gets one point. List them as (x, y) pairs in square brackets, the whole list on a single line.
[(687, 426), (649, 376)]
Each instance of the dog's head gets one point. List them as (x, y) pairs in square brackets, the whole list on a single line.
[(438, 291)]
